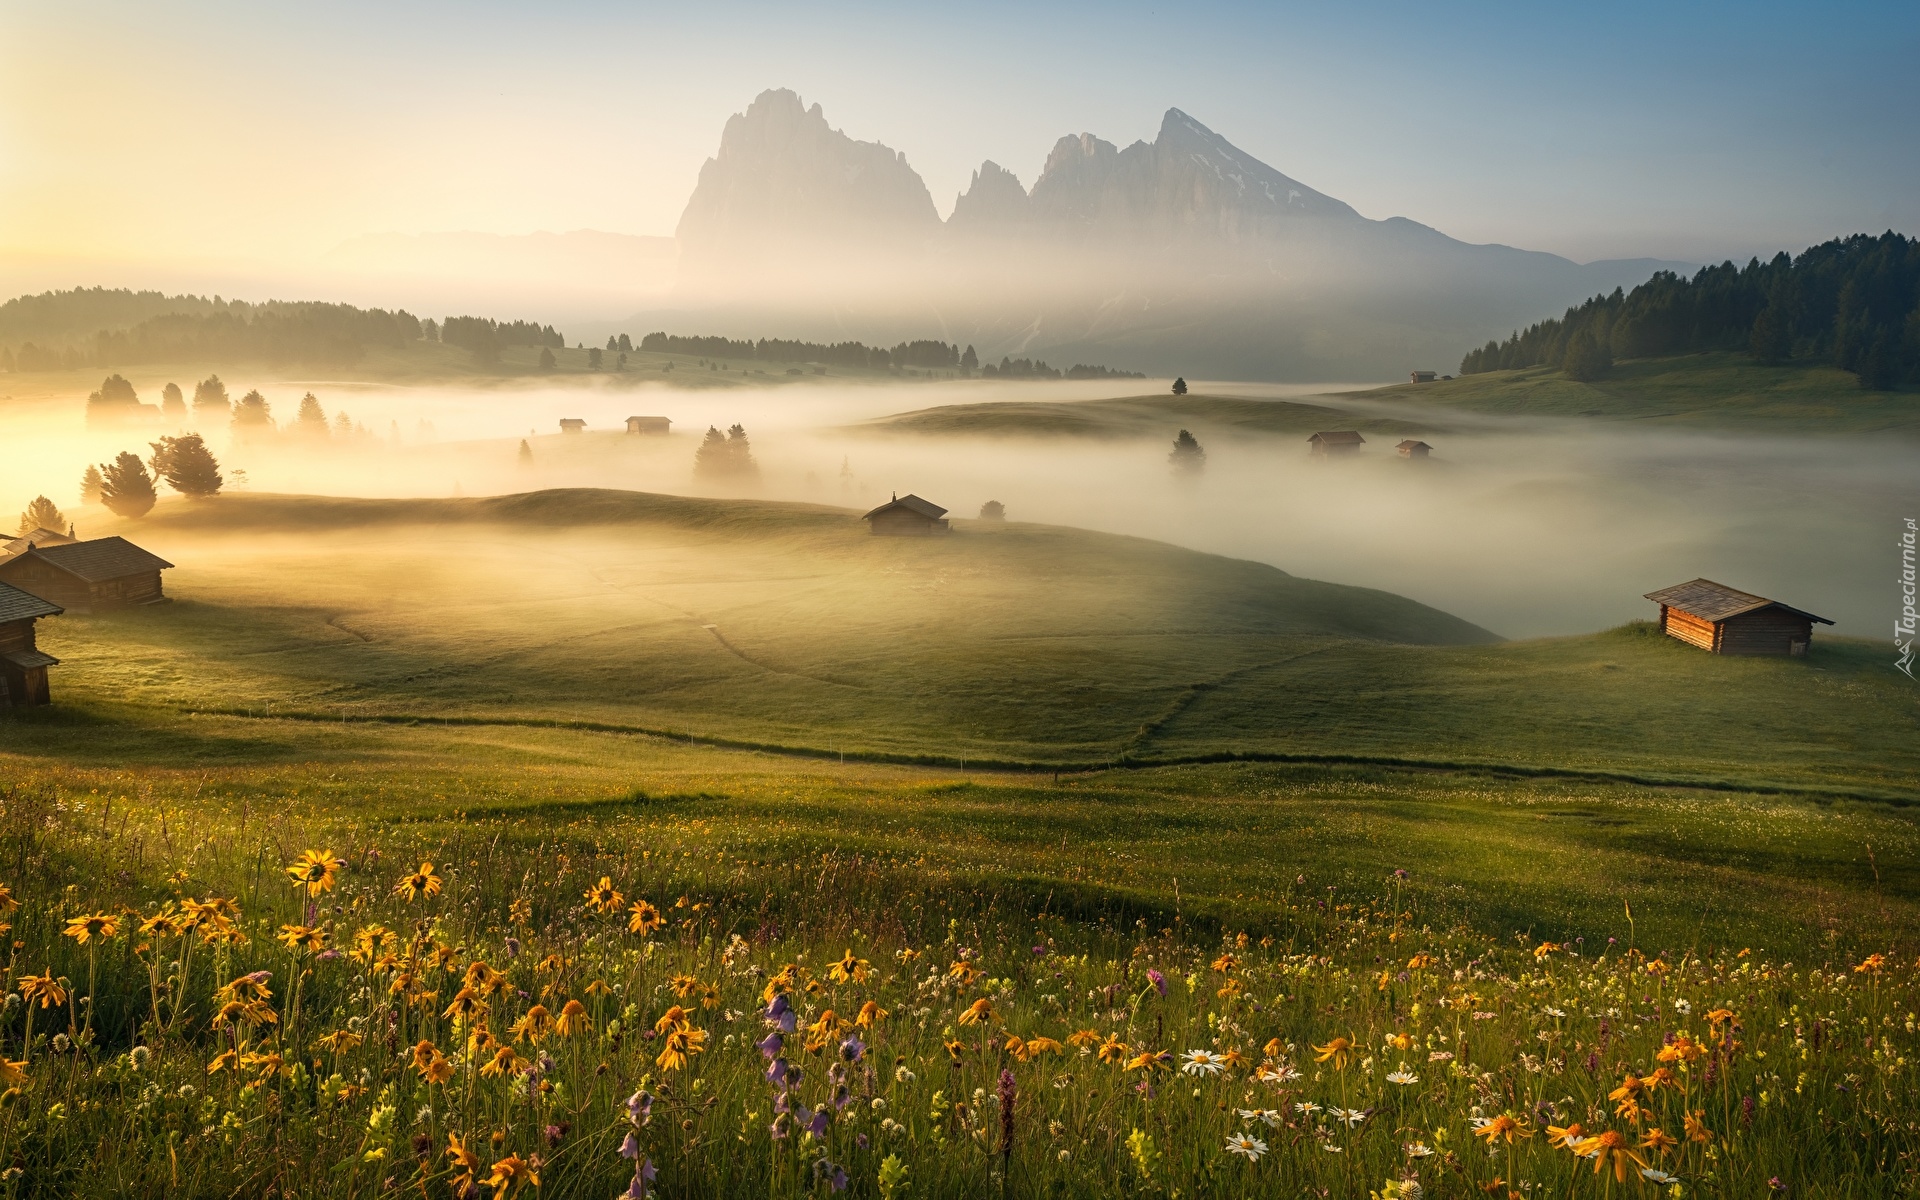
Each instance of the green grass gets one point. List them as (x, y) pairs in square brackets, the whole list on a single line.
[(787, 626), (1139, 417), (1698, 391)]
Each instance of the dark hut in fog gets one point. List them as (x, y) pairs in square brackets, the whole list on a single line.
[(87, 576), (908, 516), (37, 537), (1413, 449), (1336, 443), (648, 424), (1724, 620), (23, 668)]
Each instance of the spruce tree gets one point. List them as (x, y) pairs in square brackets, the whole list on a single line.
[(210, 402), (969, 362), (188, 466), (1187, 456), (593, 359), (1772, 339), (1179, 387), (173, 406), (125, 486), (43, 514), (311, 419), (526, 453), (740, 452), (710, 460), (90, 484), (546, 359)]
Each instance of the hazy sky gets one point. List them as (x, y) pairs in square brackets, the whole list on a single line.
[(265, 133)]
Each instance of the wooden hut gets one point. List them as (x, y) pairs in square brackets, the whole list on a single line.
[(1413, 449), (1423, 376), (648, 425), (572, 424), (86, 576), (23, 668), (908, 516), (1336, 444), (1724, 620), (38, 537)]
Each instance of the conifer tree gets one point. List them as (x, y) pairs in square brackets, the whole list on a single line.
[(710, 460), (90, 484), (253, 416), (125, 486), (526, 453), (547, 360), (969, 362), (993, 510), (188, 466), (173, 406), (1187, 457), (593, 359), (311, 419), (740, 452), (43, 514), (1772, 338), (1179, 387), (210, 402)]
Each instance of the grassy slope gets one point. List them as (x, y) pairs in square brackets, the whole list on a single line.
[(1139, 416), (785, 624), (1696, 390)]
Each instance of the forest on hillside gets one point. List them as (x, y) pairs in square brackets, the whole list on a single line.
[(1853, 302), (925, 353)]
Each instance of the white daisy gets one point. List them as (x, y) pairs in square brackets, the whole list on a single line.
[(1418, 1150), (1269, 1117), (1203, 1062), (1306, 1108), (1653, 1175), (1403, 1077), (1249, 1147)]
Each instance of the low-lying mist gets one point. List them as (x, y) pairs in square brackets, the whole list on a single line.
[(1527, 527)]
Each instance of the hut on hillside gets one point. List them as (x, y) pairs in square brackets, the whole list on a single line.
[(1413, 449), (23, 668), (1424, 376), (572, 424), (908, 516), (87, 576), (38, 537), (648, 425), (1336, 444), (1724, 620)]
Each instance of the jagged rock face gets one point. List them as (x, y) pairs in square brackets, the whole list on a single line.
[(995, 201), (784, 178)]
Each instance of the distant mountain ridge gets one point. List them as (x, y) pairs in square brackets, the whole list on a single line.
[(1184, 253)]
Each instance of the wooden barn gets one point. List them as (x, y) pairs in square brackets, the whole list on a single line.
[(1413, 449), (572, 424), (908, 516), (648, 425), (1723, 620), (1424, 376), (38, 537), (1336, 444), (23, 668), (87, 576)]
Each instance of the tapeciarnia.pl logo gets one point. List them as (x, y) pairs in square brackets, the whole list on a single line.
[(1903, 625)]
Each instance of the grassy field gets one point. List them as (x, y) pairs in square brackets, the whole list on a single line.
[(1140, 417), (1506, 882), (1695, 391), (786, 625)]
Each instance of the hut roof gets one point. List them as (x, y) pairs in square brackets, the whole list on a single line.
[(101, 559), (29, 659), (1410, 444), (16, 605), (1712, 601), (913, 504), (1339, 437), (38, 537)]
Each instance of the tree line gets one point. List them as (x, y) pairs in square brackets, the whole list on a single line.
[(1853, 302), (924, 353)]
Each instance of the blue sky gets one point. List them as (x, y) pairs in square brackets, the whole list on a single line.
[(1690, 131)]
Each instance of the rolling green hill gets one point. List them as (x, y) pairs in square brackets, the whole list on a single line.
[(1138, 416), (1716, 390), (786, 626)]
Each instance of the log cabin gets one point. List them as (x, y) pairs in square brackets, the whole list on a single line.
[(38, 537), (88, 576), (648, 424), (1424, 376), (23, 666), (1413, 449), (1724, 620), (908, 516), (572, 424), (1337, 443)]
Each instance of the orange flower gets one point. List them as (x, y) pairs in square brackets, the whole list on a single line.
[(603, 896), (646, 918), (870, 1013), (1338, 1051), (1565, 1136), (980, 1010), (1609, 1147), (1084, 1037), (572, 1019), (91, 927), (1113, 1050), (314, 870), (1504, 1125)]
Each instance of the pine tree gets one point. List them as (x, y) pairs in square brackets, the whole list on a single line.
[(125, 486), (90, 486), (1880, 365), (1772, 339), (42, 514), (969, 362), (993, 510), (710, 460), (1180, 387), (1187, 456), (311, 420), (526, 453), (613, 343), (210, 401), (740, 452), (115, 399), (188, 466), (173, 406), (1586, 359), (252, 416), (593, 359), (547, 360)]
